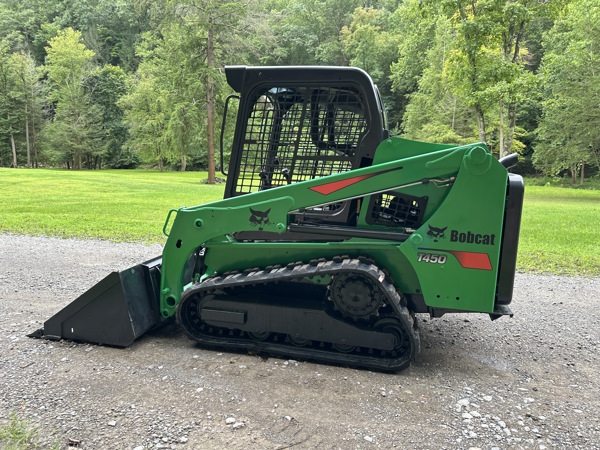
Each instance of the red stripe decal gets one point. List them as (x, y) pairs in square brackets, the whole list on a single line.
[(472, 260), (329, 188)]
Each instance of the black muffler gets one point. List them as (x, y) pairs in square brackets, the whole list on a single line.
[(115, 311)]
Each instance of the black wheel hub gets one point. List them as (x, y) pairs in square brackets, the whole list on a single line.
[(355, 295)]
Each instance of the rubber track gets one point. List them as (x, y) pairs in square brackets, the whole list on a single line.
[(275, 344)]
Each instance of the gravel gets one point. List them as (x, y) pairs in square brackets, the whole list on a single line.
[(528, 382)]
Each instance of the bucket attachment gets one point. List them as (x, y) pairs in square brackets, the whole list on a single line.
[(116, 311)]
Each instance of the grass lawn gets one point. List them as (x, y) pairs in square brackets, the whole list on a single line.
[(560, 231), (119, 205)]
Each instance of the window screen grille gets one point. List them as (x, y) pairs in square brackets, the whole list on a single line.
[(297, 134), (393, 209)]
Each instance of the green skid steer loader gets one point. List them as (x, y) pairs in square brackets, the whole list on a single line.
[(331, 237)]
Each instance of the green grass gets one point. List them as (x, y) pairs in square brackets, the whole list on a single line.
[(16, 434), (119, 205), (590, 183), (560, 231)]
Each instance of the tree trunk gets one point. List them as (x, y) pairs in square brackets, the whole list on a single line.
[(454, 113), (210, 108), (183, 163), (582, 172), (481, 124), (35, 155), (14, 150), (27, 136), (511, 113), (501, 131)]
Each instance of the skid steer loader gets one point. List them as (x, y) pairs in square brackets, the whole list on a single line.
[(331, 237)]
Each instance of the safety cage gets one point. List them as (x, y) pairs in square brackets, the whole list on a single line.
[(297, 134), (301, 123), (301, 133)]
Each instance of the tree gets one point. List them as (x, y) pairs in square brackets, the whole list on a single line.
[(217, 21), (369, 45), (106, 87), (145, 111), (307, 31), (569, 132), (435, 113), (29, 94), (181, 64), (414, 24), (516, 83), (450, 71), (11, 103), (484, 68), (74, 132), (166, 105), (20, 24)]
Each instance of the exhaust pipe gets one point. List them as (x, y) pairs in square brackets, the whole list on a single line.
[(115, 311)]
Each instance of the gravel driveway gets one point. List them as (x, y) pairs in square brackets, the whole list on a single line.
[(526, 382)]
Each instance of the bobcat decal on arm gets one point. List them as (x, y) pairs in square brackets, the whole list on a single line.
[(259, 218)]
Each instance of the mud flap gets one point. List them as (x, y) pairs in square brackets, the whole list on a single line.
[(115, 311)]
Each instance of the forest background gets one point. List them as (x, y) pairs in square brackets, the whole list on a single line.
[(126, 83)]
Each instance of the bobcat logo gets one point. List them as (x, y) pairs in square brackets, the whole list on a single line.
[(259, 218), (436, 233)]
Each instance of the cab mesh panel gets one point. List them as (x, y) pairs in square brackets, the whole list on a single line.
[(299, 134), (393, 209)]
